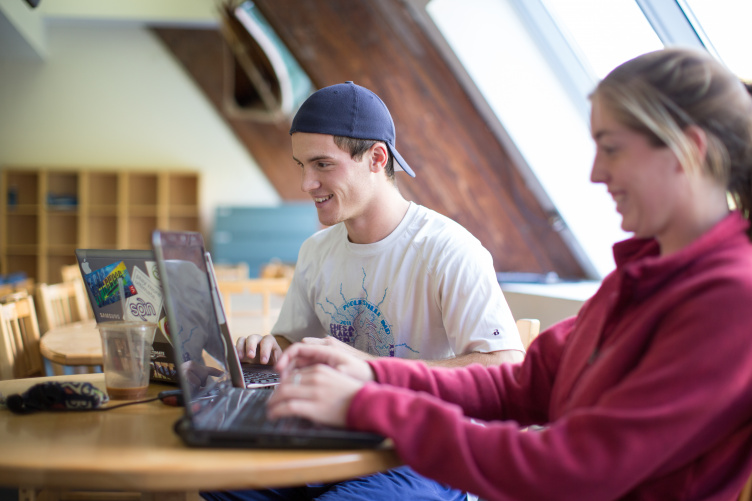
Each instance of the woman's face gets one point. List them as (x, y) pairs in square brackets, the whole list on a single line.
[(647, 182)]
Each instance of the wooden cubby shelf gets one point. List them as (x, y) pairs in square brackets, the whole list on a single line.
[(46, 214)]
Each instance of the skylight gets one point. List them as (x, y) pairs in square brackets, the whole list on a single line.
[(534, 62)]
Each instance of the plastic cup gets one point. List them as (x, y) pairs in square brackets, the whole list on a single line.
[(127, 352)]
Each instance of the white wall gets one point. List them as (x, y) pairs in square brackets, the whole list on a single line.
[(110, 96)]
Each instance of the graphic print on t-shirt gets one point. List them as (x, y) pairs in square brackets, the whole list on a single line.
[(361, 323)]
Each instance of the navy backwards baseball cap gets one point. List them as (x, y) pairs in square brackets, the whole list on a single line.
[(349, 110)]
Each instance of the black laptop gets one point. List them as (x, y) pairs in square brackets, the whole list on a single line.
[(220, 412)]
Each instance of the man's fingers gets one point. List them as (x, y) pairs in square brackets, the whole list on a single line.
[(269, 351), (246, 348), (255, 345)]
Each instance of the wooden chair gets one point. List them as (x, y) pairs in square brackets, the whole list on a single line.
[(26, 285), (277, 269), (529, 328), (230, 272), (255, 300), (19, 340), (60, 304), (72, 273), (13, 296)]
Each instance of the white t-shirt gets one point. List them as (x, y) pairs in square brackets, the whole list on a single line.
[(428, 291)]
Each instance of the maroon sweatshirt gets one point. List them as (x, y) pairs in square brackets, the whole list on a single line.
[(646, 394)]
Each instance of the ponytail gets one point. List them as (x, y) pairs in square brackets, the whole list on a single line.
[(740, 175)]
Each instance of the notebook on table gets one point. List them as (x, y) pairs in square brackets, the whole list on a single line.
[(220, 411)]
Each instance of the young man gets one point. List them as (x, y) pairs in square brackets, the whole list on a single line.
[(388, 277)]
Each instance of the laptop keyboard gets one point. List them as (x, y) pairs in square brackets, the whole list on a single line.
[(256, 378), (254, 414)]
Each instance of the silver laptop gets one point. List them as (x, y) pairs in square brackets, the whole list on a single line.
[(220, 412)]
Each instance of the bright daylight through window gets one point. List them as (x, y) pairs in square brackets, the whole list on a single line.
[(538, 90)]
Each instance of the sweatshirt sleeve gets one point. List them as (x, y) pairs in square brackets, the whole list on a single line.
[(509, 391), (670, 410)]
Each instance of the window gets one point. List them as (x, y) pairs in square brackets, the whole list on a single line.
[(723, 25), (604, 34), (534, 62)]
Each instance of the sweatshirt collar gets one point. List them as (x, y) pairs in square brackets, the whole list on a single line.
[(639, 259)]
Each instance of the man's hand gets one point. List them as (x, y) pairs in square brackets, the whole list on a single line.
[(258, 349), (335, 343)]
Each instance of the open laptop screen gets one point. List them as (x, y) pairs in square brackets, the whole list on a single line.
[(192, 318)]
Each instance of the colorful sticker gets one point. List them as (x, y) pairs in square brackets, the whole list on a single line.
[(103, 283)]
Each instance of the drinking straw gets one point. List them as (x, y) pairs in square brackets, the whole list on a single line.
[(121, 291)]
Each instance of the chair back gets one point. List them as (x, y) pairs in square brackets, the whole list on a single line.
[(61, 304), (529, 328), (254, 301), (277, 269), (19, 340), (72, 273), (229, 272), (23, 286)]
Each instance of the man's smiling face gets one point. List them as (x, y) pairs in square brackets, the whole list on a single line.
[(339, 185)]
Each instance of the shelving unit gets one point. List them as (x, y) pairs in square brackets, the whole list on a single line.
[(46, 214)]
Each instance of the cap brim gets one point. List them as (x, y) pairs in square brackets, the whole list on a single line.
[(401, 164)]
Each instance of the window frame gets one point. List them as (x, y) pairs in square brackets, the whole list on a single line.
[(672, 21)]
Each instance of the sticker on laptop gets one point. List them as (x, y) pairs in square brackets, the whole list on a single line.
[(153, 272), (147, 304), (103, 283)]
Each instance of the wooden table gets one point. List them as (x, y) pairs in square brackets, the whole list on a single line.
[(79, 344), (135, 449), (73, 344)]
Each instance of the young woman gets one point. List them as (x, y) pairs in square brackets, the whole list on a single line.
[(647, 393)]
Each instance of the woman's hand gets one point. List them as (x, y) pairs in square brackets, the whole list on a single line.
[(317, 383), (337, 344), (316, 392), (300, 355)]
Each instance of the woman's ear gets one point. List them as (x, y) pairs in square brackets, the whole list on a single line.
[(379, 156), (699, 138)]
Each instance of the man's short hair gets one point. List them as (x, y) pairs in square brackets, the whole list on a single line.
[(357, 148)]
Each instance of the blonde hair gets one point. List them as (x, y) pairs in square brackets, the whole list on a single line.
[(661, 93)]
